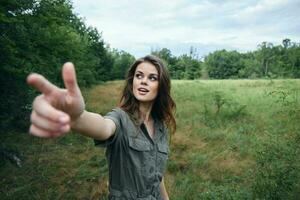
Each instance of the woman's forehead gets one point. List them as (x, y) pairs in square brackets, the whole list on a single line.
[(146, 68)]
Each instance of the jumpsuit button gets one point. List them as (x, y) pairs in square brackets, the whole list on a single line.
[(152, 153), (151, 170)]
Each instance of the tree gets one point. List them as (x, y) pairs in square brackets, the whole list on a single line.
[(122, 61), (294, 59), (169, 60), (183, 67), (286, 43), (187, 68), (265, 56), (250, 66), (223, 64), (39, 36)]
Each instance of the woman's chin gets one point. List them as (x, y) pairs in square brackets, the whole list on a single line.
[(144, 99)]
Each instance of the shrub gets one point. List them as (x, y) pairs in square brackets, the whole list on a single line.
[(277, 172), (219, 108)]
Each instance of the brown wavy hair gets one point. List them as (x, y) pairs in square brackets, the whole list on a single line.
[(164, 107)]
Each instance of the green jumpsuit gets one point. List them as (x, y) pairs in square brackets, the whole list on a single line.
[(136, 161)]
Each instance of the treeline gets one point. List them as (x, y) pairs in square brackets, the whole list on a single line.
[(268, 61), (281, 61), (186, 66), (39, 36)]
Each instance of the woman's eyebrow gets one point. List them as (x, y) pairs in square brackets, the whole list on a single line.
[(149, 74)]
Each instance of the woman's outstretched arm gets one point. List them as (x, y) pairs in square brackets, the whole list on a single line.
[(94, 125)]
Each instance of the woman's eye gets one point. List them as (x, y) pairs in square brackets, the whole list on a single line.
[(139, 76), (153, 78)]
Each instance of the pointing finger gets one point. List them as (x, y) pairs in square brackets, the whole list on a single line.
[(41, 83), (69, 76)]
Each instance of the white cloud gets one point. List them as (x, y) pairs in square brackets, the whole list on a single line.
[(137, 26)]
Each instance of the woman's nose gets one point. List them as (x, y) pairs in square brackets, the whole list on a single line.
[(144, 81)]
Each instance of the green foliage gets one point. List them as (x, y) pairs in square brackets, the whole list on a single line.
[(250, 67), (223, 64), (183, 67), (39, 36), (166, 55), (225, 193), (277, 173), (219, 108), (191, 67), (288, 101), (267, 61), (14, 113), (122, 62)]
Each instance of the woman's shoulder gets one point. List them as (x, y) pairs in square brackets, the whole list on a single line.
[(117, 110), (119, 113)]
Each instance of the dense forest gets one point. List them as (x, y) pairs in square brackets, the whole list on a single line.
[(40, 35)]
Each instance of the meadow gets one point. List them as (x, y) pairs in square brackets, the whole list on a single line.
[(236, 139)]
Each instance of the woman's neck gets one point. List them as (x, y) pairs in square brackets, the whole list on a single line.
[(145, 112)]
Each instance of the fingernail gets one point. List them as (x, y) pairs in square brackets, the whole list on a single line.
[(63, 119), (65, 128)]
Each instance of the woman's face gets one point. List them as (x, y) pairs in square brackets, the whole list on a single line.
[(145, 82)]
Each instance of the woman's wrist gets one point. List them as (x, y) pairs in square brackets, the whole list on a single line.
[(75, 122)]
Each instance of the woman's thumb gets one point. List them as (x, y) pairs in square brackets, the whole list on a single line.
[(69, 77)]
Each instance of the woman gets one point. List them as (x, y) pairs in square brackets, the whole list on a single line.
[(135, 133)]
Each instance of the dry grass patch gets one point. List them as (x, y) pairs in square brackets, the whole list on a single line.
[(104, 97)]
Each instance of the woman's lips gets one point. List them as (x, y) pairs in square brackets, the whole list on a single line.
[(143, 91)]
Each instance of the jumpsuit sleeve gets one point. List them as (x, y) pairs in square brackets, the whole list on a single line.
[(116, 116)]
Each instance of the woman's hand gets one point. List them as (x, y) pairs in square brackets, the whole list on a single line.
[(55, 109)]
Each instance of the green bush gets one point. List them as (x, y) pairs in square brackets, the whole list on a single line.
[(219, 109), (277, 173)]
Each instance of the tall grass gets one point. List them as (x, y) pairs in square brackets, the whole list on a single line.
[(236, 139)]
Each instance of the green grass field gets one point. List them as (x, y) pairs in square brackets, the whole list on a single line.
[(236, 139)]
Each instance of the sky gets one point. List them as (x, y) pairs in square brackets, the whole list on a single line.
[(141, 26)]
